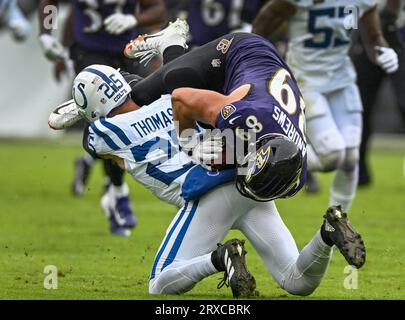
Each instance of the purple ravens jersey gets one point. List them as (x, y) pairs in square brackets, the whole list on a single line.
[(89, 31), (274, 103), (210, 19)]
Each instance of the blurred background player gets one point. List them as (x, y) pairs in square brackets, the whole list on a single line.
[(319, 33), (370, 77), (96, 33), (12, 18), (209, 20)]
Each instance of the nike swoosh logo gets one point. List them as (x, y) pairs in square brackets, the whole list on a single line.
[(233, 120)]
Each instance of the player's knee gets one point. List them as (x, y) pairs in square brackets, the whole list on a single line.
[(332, 160), (302, 291), (157, 285), (300, 286), (351, 159)]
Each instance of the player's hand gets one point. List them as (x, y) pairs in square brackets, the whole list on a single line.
[(387, 59), (59, 69), (51, 47), (63, 68), (202, 152), (118, 23)]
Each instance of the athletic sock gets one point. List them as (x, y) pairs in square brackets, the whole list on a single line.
[(120, 191), (325, 234)]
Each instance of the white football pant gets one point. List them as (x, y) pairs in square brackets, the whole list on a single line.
[(334, 125), (184, 257)]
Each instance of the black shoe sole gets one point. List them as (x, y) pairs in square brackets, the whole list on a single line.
[(242, 283), (346, 238)]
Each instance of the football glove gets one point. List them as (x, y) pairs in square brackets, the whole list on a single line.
[(202, 151), (387, 59), (118, 23), (51, 47)]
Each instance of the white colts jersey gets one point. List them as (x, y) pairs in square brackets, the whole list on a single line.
[(320, 41), (146, 140)]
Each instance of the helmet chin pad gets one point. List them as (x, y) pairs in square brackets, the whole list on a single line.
[(273, 171)]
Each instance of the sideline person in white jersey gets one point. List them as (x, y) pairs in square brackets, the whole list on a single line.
[(319, 32)]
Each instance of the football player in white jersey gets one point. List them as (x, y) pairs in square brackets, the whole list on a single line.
[(319, 33), (141, 140)]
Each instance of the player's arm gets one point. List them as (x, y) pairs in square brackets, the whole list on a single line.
[(51, 47), (191, 105), (272, 17), (61, 66), (374, 42), (153, 12)]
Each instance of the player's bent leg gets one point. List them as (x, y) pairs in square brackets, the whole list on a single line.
[(185, 256), (83, 167), (116, 202), (182, 276), (299, 273), (347, 111)]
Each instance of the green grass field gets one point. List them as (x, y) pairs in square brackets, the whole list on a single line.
[(42, 224)]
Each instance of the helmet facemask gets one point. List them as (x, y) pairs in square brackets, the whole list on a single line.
[(273, 171)]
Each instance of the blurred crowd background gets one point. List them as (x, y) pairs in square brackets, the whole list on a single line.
[(30, 89)]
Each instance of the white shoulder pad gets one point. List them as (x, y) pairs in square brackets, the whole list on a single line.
[(106, 138)]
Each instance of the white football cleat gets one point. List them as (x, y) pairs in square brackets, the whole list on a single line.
[(64, 116), (145, 47)]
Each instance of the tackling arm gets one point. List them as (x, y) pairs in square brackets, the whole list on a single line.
[(371, 34), (272, 17), (375, 44), (191, 105)]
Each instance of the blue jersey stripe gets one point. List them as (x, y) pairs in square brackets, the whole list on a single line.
[(180, 237), (105, 137), (167, 240), (118, 131), (99, 73)]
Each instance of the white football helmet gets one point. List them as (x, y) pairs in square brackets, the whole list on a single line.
[(97, 90)]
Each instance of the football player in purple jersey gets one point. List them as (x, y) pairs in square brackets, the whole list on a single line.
[(239, 82), (211, 19)]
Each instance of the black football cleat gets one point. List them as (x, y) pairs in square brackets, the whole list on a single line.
[(338, 230), (230, 258), (82, 171)]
